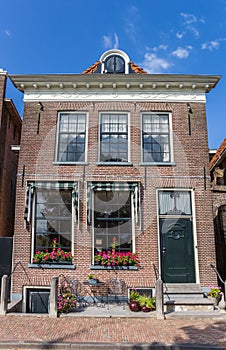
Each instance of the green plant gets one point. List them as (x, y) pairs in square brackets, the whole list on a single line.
[(91, 276), (66, 298), (215, 291), (149, 302), (134, 295)]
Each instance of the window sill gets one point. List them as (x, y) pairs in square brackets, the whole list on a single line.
[(70, 163), (114, 163), (53, 266), (157, 164), (99, 267)]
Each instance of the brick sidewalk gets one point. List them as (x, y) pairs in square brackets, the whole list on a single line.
[(17, 329)]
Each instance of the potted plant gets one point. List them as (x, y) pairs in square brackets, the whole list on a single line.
[(56, 255), (66, 298), (134, 301), (113, 258), (215, 293), (92, 279), (146, 303)]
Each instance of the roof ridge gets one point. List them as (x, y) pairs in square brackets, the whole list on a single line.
[(220, 150)]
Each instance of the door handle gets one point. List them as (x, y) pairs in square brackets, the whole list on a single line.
[(163, 250)]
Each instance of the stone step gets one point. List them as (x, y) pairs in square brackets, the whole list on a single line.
[(188, 301), (180, 288)]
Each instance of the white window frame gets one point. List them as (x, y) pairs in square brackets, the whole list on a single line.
[(128, 141), (132, 225), (33, 234), (56, 161), (171, 160)]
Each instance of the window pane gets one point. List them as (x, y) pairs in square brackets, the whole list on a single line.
[(72, 138), (112, 220), (114, 137), (156, 138), (53, 219), (174, 203)]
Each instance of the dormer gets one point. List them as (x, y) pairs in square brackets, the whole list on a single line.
[(114, 62)]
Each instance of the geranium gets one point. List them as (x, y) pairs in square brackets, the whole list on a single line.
[(215, 291), (57, 254), (112, 258), (66, 298)]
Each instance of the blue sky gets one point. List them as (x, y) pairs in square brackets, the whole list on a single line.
[(67, 36)]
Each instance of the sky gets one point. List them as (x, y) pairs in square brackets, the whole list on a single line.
[(68, 36)]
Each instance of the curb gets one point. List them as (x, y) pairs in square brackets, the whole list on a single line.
[(104, 346)]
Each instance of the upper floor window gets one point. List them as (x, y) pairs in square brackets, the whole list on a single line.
[(156, 144), (113, 137), (71, 139)]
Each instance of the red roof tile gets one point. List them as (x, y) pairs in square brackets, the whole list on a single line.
[(218, 153), (137, 69), (91, 69)]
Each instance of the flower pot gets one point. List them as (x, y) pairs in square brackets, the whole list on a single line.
[(93, 281), (146, 309), (134, 306)]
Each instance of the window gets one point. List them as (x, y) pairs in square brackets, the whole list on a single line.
[(50, 207), (52, 219), (156, 138), (113, 137), (71, 137), (113, 209), (114, 64), (175, 203), (112, 220)]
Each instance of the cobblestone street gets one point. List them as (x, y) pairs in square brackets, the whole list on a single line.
[(61, 333)]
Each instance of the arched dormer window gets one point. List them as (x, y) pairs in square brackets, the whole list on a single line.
[(114, 62)]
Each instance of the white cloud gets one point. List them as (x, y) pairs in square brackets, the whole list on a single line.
[(153, 64), (189, 18), (7, 32), (107, 41), (157, 48), (189, 23), (132, 23), (210, 45), (116, 43), (213, 44), (180, 35), (111, 41), (181, 52)]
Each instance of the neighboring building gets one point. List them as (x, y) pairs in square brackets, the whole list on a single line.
[(218, 179), (10, 131), (115, 157)]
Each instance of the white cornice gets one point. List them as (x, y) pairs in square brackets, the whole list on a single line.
[(116, 96), (120, 82)]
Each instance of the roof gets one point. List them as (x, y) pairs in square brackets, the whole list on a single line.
[(220, 152), (134, 67)]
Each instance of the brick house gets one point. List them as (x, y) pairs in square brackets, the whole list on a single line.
[(114, 158), (218, 181), (10, 131)]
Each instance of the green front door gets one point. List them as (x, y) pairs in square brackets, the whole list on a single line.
[(177, 250)]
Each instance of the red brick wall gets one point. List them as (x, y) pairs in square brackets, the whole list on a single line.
[(10, 130), (2, 136), (190, 156)]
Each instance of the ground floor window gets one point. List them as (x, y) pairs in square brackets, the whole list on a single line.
[(112, 221), (113, 211), (50, 208), (52, 219)]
